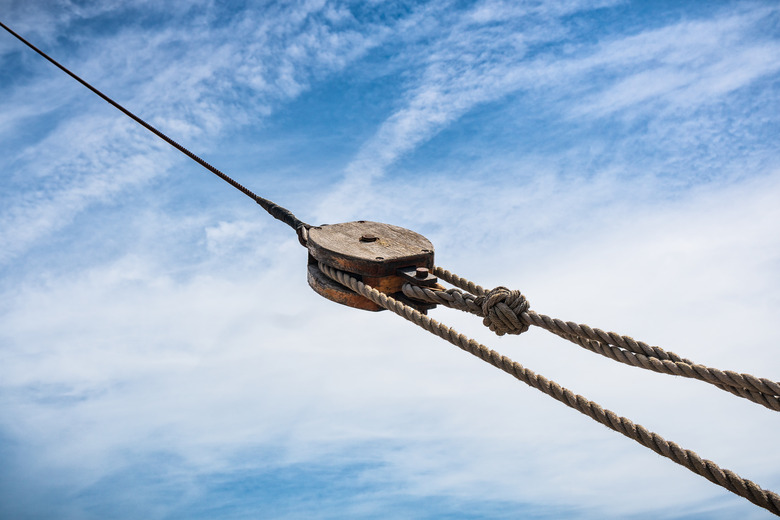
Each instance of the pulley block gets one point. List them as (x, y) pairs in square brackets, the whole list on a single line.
[(380, 255)]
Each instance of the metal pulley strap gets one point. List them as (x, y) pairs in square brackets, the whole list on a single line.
[(273, 209), (686, 458)]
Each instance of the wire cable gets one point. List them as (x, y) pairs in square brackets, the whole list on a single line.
[(273, 209)]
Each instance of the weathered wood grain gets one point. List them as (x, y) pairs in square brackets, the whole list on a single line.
[(339, 245), (372, 251)]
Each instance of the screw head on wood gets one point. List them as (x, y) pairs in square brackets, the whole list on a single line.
[(421, 272), (369, 238)]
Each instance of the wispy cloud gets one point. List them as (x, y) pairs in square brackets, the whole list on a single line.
[(483, 58), (682, 65)]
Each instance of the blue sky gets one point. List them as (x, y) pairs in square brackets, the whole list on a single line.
[(162, 357)]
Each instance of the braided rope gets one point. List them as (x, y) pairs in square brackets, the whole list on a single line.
[(503, 318), (686, 458)]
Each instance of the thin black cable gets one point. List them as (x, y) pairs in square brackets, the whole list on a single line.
[(275, 210)]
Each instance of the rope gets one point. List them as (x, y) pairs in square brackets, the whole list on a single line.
[(641, 361), (507, 312), (273, 209), (686, 458)]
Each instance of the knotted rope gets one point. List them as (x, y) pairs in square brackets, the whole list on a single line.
[(502, 309), (686, 458), (507, 312)]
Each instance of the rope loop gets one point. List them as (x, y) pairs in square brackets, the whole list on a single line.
[(502, 309)]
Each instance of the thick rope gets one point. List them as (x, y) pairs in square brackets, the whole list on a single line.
[(642, 361), (687, 458), (506, 312)]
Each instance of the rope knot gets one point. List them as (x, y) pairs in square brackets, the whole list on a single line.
[(502, 309)]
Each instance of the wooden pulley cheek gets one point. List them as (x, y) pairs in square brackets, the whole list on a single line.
[(380, 255)]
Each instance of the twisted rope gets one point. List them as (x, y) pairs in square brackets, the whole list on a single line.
[(507, 312), (641, 361), (686, 458)]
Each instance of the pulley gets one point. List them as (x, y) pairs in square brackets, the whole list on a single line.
[(380, 255)]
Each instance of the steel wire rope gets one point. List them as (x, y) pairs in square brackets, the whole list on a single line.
[(273, 209), (671, 450)]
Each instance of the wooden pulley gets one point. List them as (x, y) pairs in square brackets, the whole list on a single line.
[(380, 255)]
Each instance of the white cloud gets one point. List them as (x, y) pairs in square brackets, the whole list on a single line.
[(98, 175), (682, 65), (482, 59), (213, 366)]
